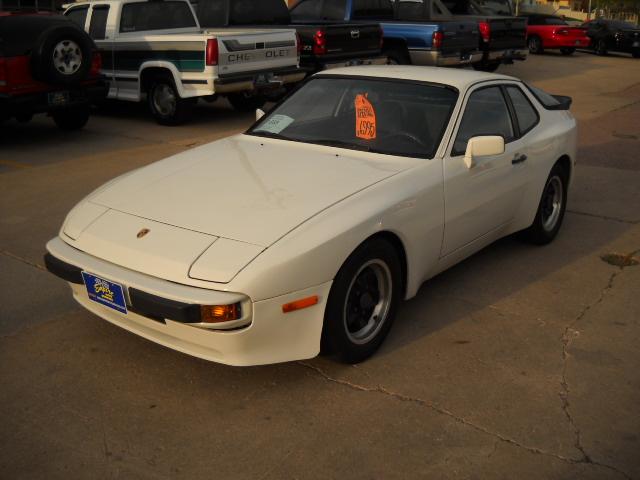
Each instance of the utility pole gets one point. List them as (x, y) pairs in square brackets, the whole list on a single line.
[(589, 11)]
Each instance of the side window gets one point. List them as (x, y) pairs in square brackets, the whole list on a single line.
[(146, 16), (310, 9), (78, 15), (525, 112), (486, 113), (98, 24)]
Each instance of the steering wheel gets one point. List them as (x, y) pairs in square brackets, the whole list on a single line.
[(406, 136)]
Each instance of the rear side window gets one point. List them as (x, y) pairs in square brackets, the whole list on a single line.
[(78, 15), (373, 9), (98, 24), (251, 12), (525, 112), (144, 16), (486, 113), (547, 100)]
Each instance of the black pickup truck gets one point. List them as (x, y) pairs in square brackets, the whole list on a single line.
[(503, 38), (326, 43)]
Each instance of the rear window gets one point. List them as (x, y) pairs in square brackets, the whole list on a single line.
[(373, 9), (145, 16), (251, 12), (554, 21), (319, 10)]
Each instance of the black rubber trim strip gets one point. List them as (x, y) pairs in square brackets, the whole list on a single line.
[(64, 270), (194, 82), (156, 307)]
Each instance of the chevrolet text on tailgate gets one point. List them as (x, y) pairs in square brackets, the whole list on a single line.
[(156, 49)]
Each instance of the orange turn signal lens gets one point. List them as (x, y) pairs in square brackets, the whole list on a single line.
[(300, 304), (220, 313)]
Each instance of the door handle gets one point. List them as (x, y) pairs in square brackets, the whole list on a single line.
[(518, 158)]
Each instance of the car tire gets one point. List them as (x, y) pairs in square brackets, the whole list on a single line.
[(165, 103), (397, 56), (62, 56), (486, 66), (246, 101), (567, 51), (535, 45), (551, 208), (71, 118), (601, 47), (362, 302)]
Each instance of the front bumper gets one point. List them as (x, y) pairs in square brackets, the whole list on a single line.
[(32, 103), (270, 336), (263, 80), (438, 59)]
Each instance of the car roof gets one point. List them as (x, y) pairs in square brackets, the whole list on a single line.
[(458, 78)]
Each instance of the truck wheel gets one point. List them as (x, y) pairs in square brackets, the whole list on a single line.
[(535, 45), (362, 302), (246, 101), (486, 66), (601, 47), (165, 102), (397, 56), (62, 56), (567, 51), (72, 118)]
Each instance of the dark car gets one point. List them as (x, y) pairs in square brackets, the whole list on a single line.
[(613, 35), (47, 65)]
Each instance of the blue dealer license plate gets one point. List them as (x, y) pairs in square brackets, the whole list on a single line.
[(105, 292)]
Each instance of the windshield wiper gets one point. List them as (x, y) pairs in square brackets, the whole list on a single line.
[(340, 144), (264, 133)]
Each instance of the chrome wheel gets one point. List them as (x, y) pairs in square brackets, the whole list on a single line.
[(164, 99), (552, 199), (67, 57), (368, 301)]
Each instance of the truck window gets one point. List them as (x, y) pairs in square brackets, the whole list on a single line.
[(212, 13), (264, 12), (373, 9), (78, 15), (144, 16), (98, 24), (319, 10)]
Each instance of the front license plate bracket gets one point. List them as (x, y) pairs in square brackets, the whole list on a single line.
[(105, 292)]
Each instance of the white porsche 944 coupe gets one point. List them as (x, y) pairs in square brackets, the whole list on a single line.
[(306, 232)]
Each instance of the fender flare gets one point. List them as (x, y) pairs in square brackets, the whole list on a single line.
[(175, 73)]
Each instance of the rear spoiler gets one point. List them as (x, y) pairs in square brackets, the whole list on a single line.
[(564, 103)]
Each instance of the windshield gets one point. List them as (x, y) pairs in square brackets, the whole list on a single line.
[(387, 116)]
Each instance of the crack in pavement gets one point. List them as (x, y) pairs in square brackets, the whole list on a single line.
[(443, 411), (603, 217), (569, 332), (23, 260)]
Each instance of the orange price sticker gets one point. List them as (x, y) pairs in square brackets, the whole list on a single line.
[(365, 118)]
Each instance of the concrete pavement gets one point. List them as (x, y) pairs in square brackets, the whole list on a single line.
[(521, 362)]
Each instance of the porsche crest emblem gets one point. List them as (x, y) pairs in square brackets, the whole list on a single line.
[(142, 232)]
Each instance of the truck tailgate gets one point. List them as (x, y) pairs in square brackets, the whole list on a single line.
[(508, 32), (254, 50), (345, 39), (459, 37)]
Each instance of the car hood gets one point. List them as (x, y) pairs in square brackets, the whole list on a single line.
[(244, 188)]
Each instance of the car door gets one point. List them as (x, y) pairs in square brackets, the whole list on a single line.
[(483, 198)]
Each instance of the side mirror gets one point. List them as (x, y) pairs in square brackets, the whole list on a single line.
[(485, 145), (259, 114)]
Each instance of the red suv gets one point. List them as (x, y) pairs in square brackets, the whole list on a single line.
[(47, 65)]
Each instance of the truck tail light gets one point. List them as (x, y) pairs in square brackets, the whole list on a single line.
[(96, 65), (485, 31), (3, 74), (298, 44), (319, 43), (437, 40), (212, 52)]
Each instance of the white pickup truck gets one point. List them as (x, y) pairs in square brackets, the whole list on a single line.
[(156, 49)]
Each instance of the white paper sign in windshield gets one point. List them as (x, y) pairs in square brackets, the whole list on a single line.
[(275, 124)]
